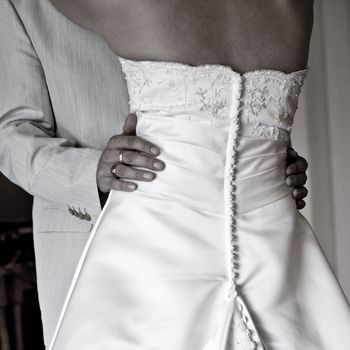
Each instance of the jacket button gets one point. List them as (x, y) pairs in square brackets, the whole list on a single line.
[(70, 210), (80, 214), (75, 213), (86, 216)]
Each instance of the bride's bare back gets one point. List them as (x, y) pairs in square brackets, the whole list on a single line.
[(244, 34)]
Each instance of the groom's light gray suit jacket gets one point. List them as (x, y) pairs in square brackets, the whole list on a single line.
[(62, 96)]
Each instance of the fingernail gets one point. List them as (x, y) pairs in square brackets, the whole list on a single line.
[(148, 176), (158, 165), (154, 150), (131, 187)]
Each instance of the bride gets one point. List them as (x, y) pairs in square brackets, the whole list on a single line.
[(213, 255)]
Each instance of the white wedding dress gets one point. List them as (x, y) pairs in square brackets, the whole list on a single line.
[(212, 254)]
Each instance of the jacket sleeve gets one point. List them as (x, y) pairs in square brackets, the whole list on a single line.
[(30, 153)]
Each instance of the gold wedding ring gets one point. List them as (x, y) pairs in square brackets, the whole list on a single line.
[(121, 156), (120, 160)]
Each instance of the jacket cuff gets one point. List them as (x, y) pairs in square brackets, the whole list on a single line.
[(89, 200)]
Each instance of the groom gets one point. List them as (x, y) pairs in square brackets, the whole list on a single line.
[(63, 103)]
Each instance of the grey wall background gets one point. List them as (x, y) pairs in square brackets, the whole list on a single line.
[(322, 133)]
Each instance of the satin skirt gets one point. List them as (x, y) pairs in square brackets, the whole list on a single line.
[(155, 273)]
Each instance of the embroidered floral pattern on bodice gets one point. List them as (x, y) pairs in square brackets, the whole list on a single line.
[(268, 100), (212, 101)]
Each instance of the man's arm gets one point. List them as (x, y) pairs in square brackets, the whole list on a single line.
[(30, 154)]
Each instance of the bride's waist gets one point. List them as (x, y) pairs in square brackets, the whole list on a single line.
[(197, 158), (207, 192)]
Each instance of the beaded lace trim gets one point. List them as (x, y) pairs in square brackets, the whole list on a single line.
[(161, 65)]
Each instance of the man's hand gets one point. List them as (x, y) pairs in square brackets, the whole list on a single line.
[(136, 152), (296, 176)]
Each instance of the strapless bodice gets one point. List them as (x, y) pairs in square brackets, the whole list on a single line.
[(267, 99)]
